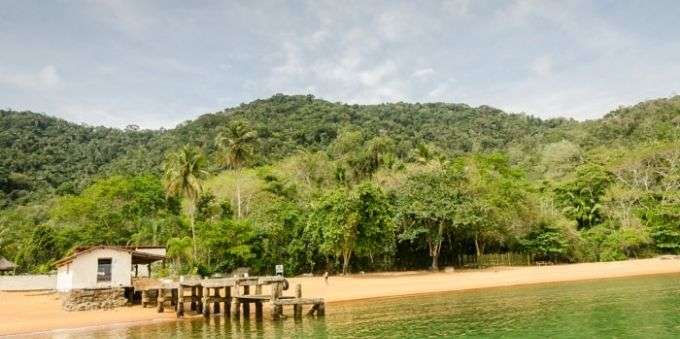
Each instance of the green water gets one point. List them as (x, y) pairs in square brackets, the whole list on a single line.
[(640, 307)]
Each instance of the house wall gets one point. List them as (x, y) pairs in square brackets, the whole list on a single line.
[(28, 282), (83, 270), (64, 277)]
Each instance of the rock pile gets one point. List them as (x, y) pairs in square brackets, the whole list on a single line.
[(93, 299)]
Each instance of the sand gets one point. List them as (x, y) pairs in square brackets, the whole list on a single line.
[(24, 312)]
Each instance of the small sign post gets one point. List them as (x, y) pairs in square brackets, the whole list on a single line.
[(279, 270)]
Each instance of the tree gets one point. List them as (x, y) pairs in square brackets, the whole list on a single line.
[(237, 145), (112, 211), (229, 244), (39, 250), (581, 198), (545, 241), (180, 249), (664, 220), (558, 158), (428, 209), (352, 222), (495, 197), (184, 175)]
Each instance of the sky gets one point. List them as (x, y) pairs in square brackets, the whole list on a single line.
[(158, 63)]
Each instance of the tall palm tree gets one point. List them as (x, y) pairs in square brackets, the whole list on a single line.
[(183, 176), (237, 144)]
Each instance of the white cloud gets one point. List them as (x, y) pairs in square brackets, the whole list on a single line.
[(548, 58), (542, 66), (456, 7), (423, 73), (444, 91), (126, 16), (45, 78), (374, 76)]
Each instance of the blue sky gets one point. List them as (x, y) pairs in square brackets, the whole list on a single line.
[(158, 63)]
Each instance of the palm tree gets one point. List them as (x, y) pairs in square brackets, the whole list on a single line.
[(184, 175), (237, 143), (178, 249)]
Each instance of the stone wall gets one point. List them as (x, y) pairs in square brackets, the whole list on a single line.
[(28, 282), (93, 299)]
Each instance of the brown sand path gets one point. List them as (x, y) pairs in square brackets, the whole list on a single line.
[(395, 284), (34, 312)]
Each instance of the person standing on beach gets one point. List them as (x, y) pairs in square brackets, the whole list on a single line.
[(325, 277)]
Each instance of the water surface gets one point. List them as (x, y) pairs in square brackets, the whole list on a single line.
[(639, 307)]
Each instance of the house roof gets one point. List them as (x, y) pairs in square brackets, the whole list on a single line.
[(137, 256), (134, 248), (6, 265)]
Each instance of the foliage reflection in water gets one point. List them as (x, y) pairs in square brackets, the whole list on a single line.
[(640, 307)]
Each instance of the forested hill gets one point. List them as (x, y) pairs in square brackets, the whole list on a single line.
[(44, 155), (319, 185), (40, 154)]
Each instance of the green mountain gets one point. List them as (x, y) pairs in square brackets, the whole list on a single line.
[(45, 155), (407, 178)]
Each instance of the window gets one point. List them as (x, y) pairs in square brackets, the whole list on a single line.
[(104, 269)]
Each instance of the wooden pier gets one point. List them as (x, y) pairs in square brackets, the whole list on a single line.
[(232, 297)]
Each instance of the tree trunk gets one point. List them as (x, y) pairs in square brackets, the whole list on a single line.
[(193, 234), (435, 262), (155, 230), (345, 261), (192, 222), (477, 248), (435, 248), (238, 198)]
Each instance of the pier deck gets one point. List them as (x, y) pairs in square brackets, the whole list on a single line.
[(229, 296)]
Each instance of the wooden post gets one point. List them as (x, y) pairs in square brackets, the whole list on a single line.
[(237, 308), (258, 310), (312, 310), (297, 308), (236, 301), (180, 301), (276, 310), (205, 302), (227, 301), (161, 300), (199, 299), (276, 291), (192, 305), (246, 304), (216, 300)]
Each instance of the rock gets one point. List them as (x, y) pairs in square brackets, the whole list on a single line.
[(449, 269), (92, 299)]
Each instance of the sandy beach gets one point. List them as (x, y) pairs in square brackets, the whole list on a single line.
[(30, 312)]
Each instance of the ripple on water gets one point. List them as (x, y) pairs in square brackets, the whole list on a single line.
[(639, 307)]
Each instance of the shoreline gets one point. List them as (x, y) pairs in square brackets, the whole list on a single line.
[(399, 296), (42, 314)]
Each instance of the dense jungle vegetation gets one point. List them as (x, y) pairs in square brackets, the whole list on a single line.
[(322, 186)]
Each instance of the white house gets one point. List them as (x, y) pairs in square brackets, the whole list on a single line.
[(104, 266)]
